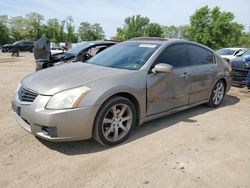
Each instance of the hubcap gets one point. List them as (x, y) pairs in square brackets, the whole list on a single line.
[(117, 122), (218, 93)]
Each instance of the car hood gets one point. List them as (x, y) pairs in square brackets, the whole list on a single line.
[(7, 45), (241, 62), (56, 79)]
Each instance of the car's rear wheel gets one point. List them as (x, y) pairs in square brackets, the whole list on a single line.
[(217, 94), (115, 121)]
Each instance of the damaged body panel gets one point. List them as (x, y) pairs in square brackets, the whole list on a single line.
[(81, 52)]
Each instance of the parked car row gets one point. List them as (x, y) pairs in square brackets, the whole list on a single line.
[(239, 60), (230, 53), (127, 84)]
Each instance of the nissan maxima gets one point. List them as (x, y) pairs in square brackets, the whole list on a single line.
[(126, 85)]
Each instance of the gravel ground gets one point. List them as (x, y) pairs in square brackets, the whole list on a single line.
[(199, 147)]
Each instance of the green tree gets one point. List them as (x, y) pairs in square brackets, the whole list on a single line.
[(178, 32), (53, 30), (245, 39), (71, 35), (87, 31), (154, 30), (4, 30), (34, 26), (214, 28), (135, 26), (17, 28), (138, 26), (62, 34)]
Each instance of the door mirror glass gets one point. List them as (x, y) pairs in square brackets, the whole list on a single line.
[(162, 68)]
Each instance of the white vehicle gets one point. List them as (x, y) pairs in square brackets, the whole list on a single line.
[(230, 53)]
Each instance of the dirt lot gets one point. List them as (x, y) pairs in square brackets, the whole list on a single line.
[(200, 147)]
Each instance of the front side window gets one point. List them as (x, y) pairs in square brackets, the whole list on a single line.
[(79, 47), (199, 55), (175, 55)]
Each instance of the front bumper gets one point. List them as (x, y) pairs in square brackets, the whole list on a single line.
[(55, 125), (239, 76)]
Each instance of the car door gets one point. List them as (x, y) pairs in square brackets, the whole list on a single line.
[(166, 91), (203, 72), (21, 46)]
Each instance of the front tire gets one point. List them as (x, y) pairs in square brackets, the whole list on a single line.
[(115, 121), (217, 94)]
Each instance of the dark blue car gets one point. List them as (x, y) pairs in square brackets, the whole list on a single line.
[(241, 68)]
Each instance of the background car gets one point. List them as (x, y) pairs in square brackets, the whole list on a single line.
[(230, 53), (81, 52), (19, 46), (125, 85), (240, 68)]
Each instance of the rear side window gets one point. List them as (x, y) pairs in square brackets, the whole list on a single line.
[(199, 55), (175, 55)]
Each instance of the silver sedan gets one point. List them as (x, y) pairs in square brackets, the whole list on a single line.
[(124, 86)]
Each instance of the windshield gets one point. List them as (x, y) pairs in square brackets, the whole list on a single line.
[(79, 47), (225, 52), (127, 55), (16, 42), (247, 53)]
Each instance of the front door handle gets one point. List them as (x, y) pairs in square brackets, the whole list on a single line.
[(213, 70), (185, 75)]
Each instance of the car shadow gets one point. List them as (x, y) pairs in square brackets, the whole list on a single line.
[(91, 146)]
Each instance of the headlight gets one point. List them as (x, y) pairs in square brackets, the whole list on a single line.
[(18, 87), (68, 98)]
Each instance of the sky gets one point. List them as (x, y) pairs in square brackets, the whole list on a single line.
[(111, 13)]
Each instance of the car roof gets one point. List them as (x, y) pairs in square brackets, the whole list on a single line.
[(158, 40), (101, 42)]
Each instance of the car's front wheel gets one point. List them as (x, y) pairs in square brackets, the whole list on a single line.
[(115, 121), (217, 94)]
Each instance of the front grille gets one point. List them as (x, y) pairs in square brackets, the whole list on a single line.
[(240, 69), (26, 95), (239, 75)]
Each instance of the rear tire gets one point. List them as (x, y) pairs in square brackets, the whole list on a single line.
[(114, 121), (217, 94)]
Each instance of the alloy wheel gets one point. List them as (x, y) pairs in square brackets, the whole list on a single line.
[(117, 122), (218, 93)]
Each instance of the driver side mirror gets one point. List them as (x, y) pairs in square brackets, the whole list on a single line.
[(162, 68)]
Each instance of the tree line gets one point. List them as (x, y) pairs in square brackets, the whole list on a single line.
[(32, 27), (209, 26)]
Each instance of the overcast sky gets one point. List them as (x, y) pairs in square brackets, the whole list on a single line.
[(111, 13)]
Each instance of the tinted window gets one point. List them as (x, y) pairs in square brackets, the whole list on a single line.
[(174, 55), (199, 55), (79, 47), (125, 55)]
